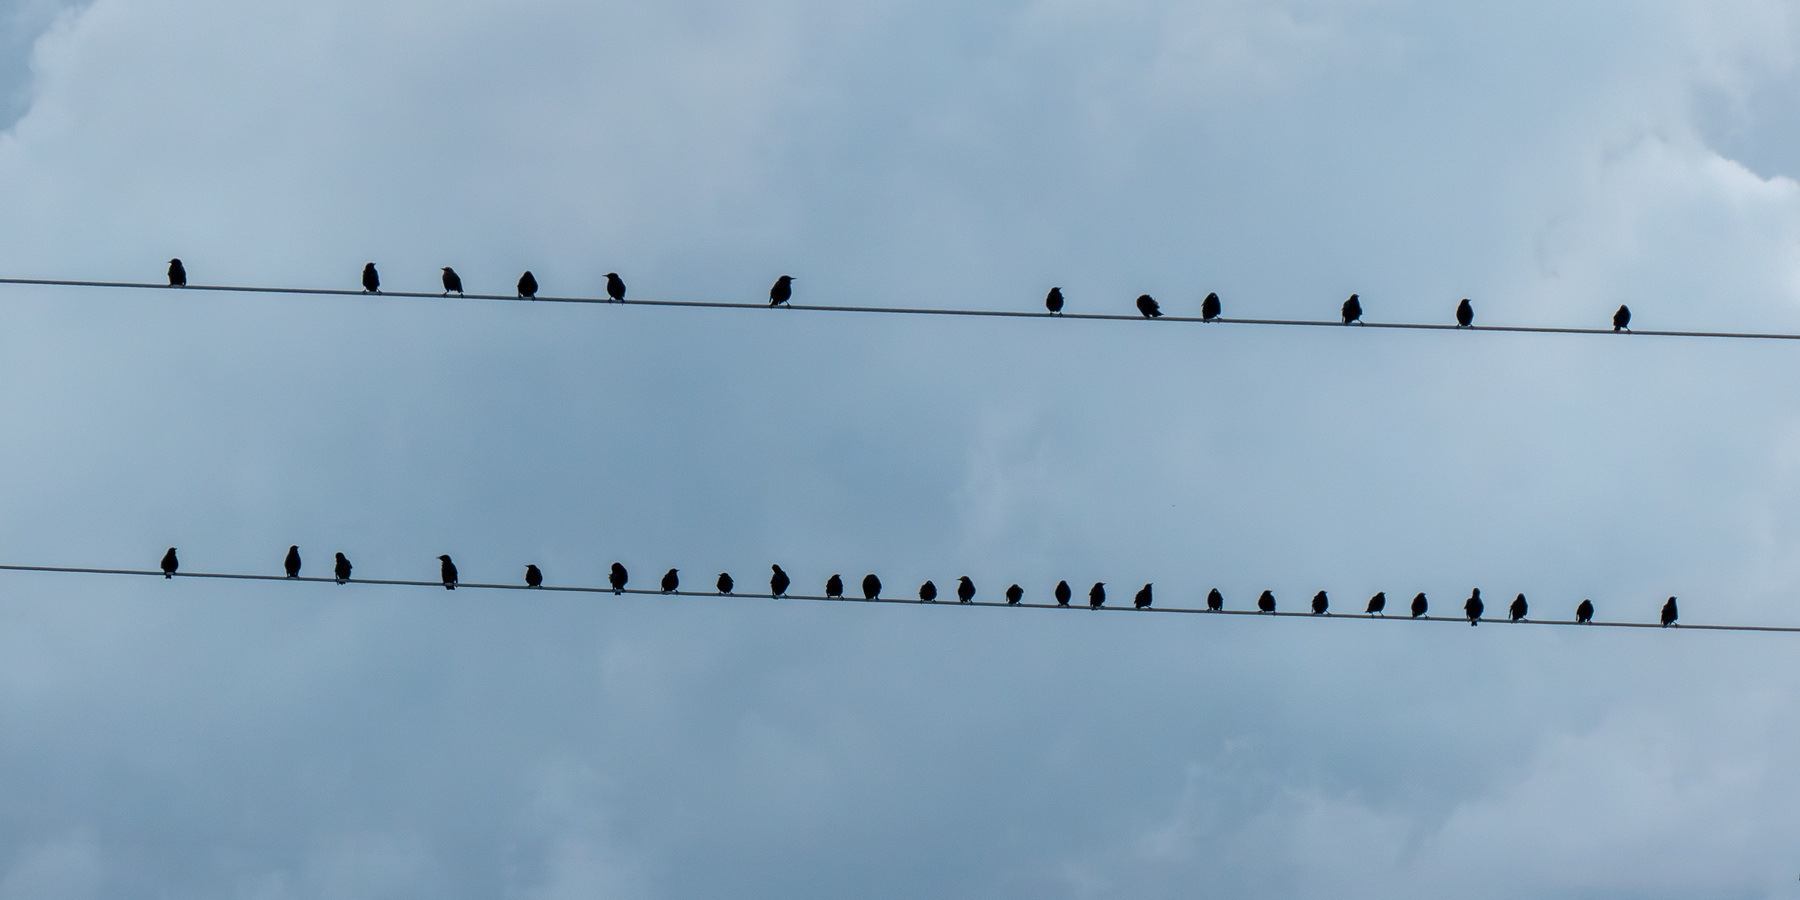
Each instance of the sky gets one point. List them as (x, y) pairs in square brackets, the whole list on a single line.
[(274, 741)]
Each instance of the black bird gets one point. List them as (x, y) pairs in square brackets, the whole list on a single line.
[(1377, 605), (724, 582), (1352, 310), (1266, 603), (292, 563), (1014, 594), (170, 563), (534, 576), (834, 586), (452, 282), (1584, 613), (927, 593), (871, 586), (1418, 604), (1053, 301), (1097, 595), (671, 581), (783, 289), (1209, 308), (1518, 608), (528, 286), (965, 590), (1142, 600), (1321, 603), (615, 287), (1622, 318), (618, 578), (1215, 601), (371, 281), (1063, 593), (778, 581), (1148, 307), (1473, 607), (342, 569), (1669, 613), (1465, 314), (177, 274), (447, 569)]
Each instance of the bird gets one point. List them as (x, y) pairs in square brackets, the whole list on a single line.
[(1014, 594), (1321, 604), (1418, 605), (871, 586), (1148, 307), (452, 282), (778, 581), (177, 274), (618, 578), (615, 287), (834, 586), (342, 569), (371, 281), (1669, 613), (927, 593), (1622, 318), (292, 563), (1473, 608), (447, 569), (1097, 595), (783, 289), (1063, 593), (1053, 301), (1584, 613), (1215, 601), (671, 581), (534, 576), (1266, 603), (1209, 308), (1377, 605), (724, 582), (965, 590), (1142, 600), (1352, 310), (1518, 608), (170, 563), (1465, 314), (528, 286)]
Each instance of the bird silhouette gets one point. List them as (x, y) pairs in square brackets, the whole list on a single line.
[(871, 587), (1063, 593), (1142, 600), (292, 563), (342, 569), (1622, 318), (528, 286), (447, 569), (1215, 601), (927, 593), (1418, 605), (534, 576), (778, 581), (1321, 604), (1266, 603), (371, 281), (1473, 607), (725, 582), (1209, 308), (1053, 301), (1669, 613), (834, 586), (1148, 307), (1352, 310), (1519, 608), (615, 287), (618, 578), (1097, 595), (170, 563), (1465, 314), (1377, 605), (452, 282), (671, 581), (965, 590), (1584, 613), (1014, 594), (783, 289), (177, 274)]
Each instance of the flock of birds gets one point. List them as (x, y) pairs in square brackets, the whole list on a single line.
[(779, 583)]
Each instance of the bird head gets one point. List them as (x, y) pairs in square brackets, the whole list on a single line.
[(176, 260), (444, 558), (612, 274)]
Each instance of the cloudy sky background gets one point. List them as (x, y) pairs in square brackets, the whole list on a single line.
[(275, 741)]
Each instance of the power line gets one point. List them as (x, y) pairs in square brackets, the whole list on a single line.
[(915, 311), (1180, 610)]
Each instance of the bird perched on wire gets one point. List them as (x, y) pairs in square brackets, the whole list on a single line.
[(671, 581), (1266, 603), (447, 570), (1053, 301), (534, 576), (1352, 310), (1063, 593), (615, 287), (1142, 600), (834, 586), (1215, 601), (1465, 314), (170, 563), (342, 569), (618, 578), (1321, 604), (1419, 604), (1584, 613), (1519, 608), (928, 593), (782, 291), (1473, 607), (778, 581), (452, 282), (371, 281), (1148, 307), (871, 587), (527, 286), (177, 274), (1209, 308), (725, 584), (965, 590), (1097, 595), (292, 563), (1669, 613), (1377, 605), (1014, 594), (1622, 318)]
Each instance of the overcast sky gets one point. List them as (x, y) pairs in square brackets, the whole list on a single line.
[(274, 741)]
